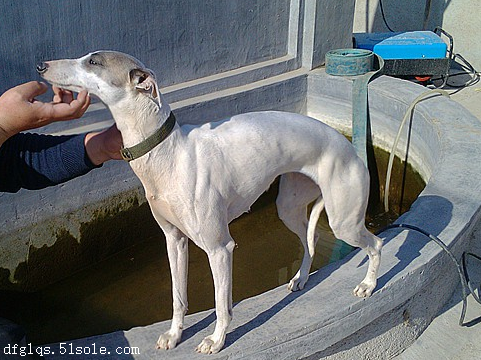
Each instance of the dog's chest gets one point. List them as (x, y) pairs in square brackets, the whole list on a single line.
[(164, 209), (161, 207), (157, 191)]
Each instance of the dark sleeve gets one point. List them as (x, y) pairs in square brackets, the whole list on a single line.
[(34, 161)]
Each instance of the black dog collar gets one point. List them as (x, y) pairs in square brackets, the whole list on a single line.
[(142, 148)]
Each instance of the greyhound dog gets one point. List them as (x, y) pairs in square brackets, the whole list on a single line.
[(198, 178)]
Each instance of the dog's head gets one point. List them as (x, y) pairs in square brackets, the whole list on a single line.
[(109, 75)]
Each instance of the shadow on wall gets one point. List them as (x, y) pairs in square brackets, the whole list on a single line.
[(407, 15)]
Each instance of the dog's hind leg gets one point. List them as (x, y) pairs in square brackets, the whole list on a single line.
[(361, 237), (373, 249), (296, 192), (177, 251), (346, 195)]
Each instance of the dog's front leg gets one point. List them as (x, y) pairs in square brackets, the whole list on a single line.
[(220, 260), (177, 250)]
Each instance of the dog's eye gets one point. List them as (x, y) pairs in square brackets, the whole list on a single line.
[(93, 62)]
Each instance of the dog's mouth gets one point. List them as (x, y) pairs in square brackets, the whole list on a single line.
[(42, 69), (69, 87), (65, 86)]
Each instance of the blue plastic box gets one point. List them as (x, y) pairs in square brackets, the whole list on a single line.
[(405, 45)]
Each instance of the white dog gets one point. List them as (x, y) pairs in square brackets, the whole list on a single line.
[(199, 178)]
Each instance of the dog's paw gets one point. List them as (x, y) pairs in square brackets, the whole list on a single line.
[(168, 340), (209, 346), (364, 289), (297, 283)]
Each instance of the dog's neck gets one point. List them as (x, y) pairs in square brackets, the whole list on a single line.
[(138, 119)]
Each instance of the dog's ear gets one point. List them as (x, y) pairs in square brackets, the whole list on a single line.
[(144, 81)]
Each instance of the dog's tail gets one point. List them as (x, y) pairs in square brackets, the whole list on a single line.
[(311, 225)]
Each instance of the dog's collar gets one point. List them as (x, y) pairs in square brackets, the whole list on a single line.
[(142, 148)]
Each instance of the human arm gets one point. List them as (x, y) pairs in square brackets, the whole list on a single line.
[(35, 161), (20, 110)]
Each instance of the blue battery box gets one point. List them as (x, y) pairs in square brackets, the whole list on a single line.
[(403, 45)]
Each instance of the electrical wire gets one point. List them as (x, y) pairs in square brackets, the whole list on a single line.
[(463, 63), (475, 76), (466, 286), (470, 70), (427, 11), (384, 16), (407, 115)]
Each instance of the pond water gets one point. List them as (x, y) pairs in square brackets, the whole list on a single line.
[(133, 287)]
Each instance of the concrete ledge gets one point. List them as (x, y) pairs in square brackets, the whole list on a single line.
[(416, 278)]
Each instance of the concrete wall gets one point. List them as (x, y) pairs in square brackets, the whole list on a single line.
[(181, 40), (459, 18), (213, 59), (274, 324)]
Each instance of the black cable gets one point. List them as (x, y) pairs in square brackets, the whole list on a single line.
[(384, 17), (469, 70), (465, 267), (462, 270), (427, 10)]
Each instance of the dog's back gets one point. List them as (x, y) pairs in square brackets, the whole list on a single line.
[(252, 149)]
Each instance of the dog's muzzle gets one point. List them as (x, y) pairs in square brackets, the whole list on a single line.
[(42, 67)]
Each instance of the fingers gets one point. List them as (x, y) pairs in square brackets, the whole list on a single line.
[(83, 102), (57, 95), (62, 95), (59, 111), (76, 107), (83, 97), (29, 90), (104, 145), (66, 96), (114, 143), (22, 111)]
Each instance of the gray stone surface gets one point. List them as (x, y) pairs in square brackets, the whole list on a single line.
[(444, 338)]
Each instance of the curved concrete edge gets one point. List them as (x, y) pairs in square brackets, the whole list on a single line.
[(445, 144), (416, 277)]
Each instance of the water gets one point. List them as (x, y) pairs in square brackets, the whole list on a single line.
[(133, 287)]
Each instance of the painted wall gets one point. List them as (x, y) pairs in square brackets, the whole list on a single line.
[(460, 18), (180, 40)]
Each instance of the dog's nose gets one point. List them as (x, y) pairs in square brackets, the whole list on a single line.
[(42, 67)]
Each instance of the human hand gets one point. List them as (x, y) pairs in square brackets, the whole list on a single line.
[(104, 145), (19, 110)]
